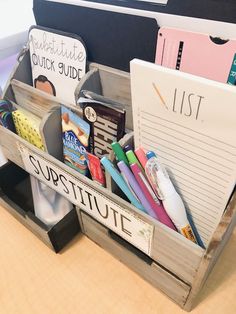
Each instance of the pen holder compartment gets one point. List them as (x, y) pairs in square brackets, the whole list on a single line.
[(110, 184), (175, 254), (109, 83), (48, 135), (47, 110), (177, 270), (148, 235), (98, 80), (16, 196)]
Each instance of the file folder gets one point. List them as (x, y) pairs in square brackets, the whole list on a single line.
[(195, 53)]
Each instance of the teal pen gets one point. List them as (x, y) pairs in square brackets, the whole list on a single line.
[(119, 153), (117, 177)]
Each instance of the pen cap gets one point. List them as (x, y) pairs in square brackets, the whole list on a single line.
[(150, 154), (119, 153), (153, 161), (127, 148), (141, 156), (132, 158)]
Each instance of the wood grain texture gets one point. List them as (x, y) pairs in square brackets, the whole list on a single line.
[(169, 248), (90, 82), (176, 253), (215, 248), (112, 84), (160, 278), (32, 99), (51, 133), (115, 83)]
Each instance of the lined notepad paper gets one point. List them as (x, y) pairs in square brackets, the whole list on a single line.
[(190, 123)]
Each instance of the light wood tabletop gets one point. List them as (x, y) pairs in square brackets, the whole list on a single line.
[(84, 278)]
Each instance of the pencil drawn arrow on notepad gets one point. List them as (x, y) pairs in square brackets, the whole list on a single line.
[(159, 95)]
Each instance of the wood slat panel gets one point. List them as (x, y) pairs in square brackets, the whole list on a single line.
[(32, 99), (157, 276), (115, 85), (178, 254), (215, 248), (169, 248)]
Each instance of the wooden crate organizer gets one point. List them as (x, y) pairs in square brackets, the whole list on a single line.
[(184, 260), (48, 110), (174, 264)]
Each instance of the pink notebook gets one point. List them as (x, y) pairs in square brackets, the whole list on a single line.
[(196, 53)]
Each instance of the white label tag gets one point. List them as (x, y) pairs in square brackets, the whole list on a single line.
[(120, 220)]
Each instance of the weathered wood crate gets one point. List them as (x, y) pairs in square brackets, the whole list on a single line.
[(15, 188), (163, 257)]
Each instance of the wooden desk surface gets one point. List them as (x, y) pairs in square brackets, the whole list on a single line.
[(86, 279)]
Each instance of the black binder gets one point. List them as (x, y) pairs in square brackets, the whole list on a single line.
[(114, 38), (111, 38), (218, 10)]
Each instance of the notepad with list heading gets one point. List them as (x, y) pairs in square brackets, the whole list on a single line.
[(190, 123)]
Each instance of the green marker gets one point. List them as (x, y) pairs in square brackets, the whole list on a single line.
[(120, 155), (132, 158)]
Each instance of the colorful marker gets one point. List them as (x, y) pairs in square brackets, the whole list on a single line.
[(132, 158), (119, 153), (117, 177), (158, 208), (140, 153), (126, 172)]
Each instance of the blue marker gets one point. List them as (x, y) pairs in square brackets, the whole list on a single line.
[(117, 177)]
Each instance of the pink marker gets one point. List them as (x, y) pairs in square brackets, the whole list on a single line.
[(158, 208), (139, 152)]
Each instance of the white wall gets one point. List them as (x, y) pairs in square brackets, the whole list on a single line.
[(16, 18)]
